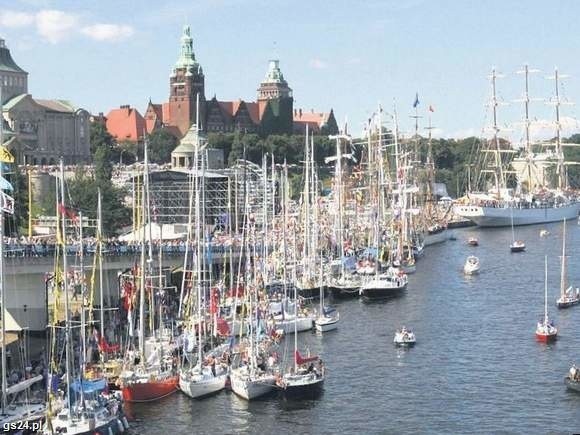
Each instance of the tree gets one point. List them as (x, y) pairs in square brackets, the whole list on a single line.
[(100, 137), (161, 143), (103, 166)]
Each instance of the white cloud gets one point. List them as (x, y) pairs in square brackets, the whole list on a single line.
[(15, 19), (55, 25), (318, 64), (108, 32)]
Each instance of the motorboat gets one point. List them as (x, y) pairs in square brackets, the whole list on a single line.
[(471, 266), (572, 381), (404, 337), (544, 233), (518, 246), (472, 241)]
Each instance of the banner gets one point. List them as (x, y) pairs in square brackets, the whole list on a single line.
[(6, 203), (5, 155)]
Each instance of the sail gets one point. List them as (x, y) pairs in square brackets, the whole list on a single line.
[(21, 386), (302, 360)]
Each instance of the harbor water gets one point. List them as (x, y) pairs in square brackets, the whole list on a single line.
[(476, 368)]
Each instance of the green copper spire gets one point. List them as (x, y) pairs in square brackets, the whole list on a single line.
[(187, 56), (274, 74)]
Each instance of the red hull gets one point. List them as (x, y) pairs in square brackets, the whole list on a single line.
[(149, 391), (546, 338)]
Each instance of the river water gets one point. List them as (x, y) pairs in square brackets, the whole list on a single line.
[(476, 368)]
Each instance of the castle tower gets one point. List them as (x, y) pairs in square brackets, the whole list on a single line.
[(185, 84), (275, 101), (14, 80)]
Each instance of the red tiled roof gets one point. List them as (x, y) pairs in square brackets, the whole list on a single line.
[(227, 107), (126, 123), (158, 109), (150, 124), (311, 117), (254, 112)]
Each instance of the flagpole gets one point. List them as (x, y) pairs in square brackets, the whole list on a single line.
[(2, 294)]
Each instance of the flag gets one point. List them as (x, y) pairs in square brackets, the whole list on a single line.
[(431, 109), (6, 203), (67, 212), (5, 155), (416, 103), (5, 184)]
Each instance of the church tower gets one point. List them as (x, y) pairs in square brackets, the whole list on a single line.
[(14, 80), (275, 101), (185, 84)]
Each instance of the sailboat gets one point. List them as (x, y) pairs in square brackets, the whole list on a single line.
[(545, 330), (328, 317), (568, 295), (498, 206), (149, 373), (13, 410), (517, 245), (345, 284), (304, 379), (87, 408), (205, 376)]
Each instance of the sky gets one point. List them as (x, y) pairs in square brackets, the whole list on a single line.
[(349, 55)]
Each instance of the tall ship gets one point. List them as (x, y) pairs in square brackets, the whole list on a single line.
[(521, 186)]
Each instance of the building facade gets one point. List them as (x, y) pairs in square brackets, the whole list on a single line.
[(271, 113), (39, 132)]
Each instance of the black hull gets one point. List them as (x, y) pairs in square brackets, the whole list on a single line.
[(345, 292), (311, 293), (381, 293), (566, 304), (517, 249), (310, 391)]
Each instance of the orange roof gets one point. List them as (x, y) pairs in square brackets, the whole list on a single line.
[(126, 124), (319, 118), (227, 107), (254, 112)]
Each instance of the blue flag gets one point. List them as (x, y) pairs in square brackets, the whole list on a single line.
[(416, 103)]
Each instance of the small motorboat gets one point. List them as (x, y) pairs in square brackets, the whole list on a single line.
[(404, 337), (518, 246), (544, 233), (472, 241), (471, 266), (572, 381)]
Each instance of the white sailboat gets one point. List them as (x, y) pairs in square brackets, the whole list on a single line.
[(205, 376), (546, 331), (568, 295)]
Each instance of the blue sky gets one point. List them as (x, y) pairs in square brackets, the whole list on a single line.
[(348, 55)]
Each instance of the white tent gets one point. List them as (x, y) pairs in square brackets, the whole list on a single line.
[(157, 232)]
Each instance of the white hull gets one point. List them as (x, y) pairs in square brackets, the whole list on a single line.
[(325, 324), (202, 385), (250, 388), (501, 217), (433, 239), (302, 324)]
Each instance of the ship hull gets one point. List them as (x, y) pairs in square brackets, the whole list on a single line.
[(502, 217), (150, 391), (435, 237)]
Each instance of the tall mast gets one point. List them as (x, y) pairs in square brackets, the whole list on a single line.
[(560, 151), (563, 271), (498, 164), (2, 293), (143, 236), (546, 289), (61, 209), (100, 259), (83, 318)]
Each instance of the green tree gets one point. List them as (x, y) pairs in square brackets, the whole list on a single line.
[(161, 143), (100, 137)]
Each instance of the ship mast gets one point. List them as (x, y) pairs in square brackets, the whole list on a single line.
[(498, 165), (2, 292)]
